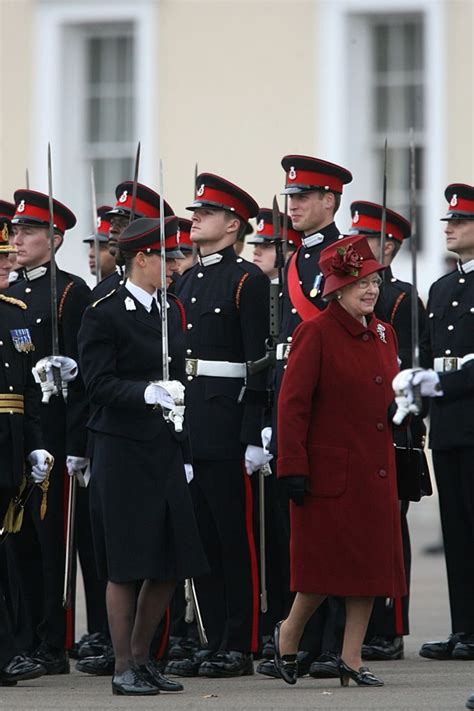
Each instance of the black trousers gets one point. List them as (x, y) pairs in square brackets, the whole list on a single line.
[(454, 472), (38, 552), (390, 618), (94, 587), (228, 595), (8, 645)]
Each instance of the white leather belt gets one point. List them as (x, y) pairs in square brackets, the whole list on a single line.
[(449, 363), (282, 351), (215, 368)]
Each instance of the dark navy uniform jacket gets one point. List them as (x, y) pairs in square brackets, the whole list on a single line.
[(227, 314), (19, 433), (62, 422), (120, 353), (451, 332), (110, 283)]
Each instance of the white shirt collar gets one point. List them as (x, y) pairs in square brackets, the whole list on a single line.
[(466, 267), (142, 296), (313, 240), (210, 259)]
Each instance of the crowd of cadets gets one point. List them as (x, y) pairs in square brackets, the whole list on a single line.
[(231, 416)]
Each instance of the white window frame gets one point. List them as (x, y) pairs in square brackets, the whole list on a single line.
[(337, 87)]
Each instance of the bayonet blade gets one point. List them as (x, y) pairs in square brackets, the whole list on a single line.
[(135, 184)]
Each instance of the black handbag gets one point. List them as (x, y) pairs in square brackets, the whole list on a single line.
[(413, 473)]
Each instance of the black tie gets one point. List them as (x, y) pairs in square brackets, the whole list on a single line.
[(154, 309)]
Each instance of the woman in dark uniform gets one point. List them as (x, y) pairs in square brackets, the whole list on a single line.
[(142, 517), (336, 459)]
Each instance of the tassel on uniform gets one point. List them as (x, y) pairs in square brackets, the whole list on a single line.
[(44, 486), (13, 520)]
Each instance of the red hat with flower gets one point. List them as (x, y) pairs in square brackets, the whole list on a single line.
[(346, 261)]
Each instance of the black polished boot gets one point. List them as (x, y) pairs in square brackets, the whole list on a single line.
[(464, 649), (103, 665), (152, 674), (223, 665), (20, 668), (182, 648), (440, 650), (54, 660), (131, 683), (325, 666), (95, 645), (188, 667), (304, 661), (386, 649)]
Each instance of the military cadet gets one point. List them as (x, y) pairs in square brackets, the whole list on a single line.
[(7, 210), (62, 421), (226, 302), (147, 204), (314, 188), (450, 385), (141, 510), (390, 622), (264, 251), (107, 260), (21, 441)]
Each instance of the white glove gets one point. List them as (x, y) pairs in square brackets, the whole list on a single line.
[(403, 409), (188, 470), (428, 381), (44, 374), (170, 395), (76, 464), (255, 458), (41, 463), (156, 395), (266, 436)]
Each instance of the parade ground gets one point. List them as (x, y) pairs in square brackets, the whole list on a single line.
[(410, 684)]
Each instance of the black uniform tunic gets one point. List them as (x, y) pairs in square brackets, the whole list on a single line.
[(451, 331), (226, 302), (63, 425), (109, 284), (142, 517), (20, 433)]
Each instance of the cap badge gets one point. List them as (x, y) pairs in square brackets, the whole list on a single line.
[(21, 207), (130, 304), (178, 235), (454, 200), (292, 173), (356, 217), (201, 190), (99, 221), (381, 332), (260, 225), (124, 196), (4, 234)]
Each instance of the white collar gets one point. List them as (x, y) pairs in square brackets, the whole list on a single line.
[(275, 280), (210, 259), (13, 277), (313, 240), (35, 273), (142, 296), (466, 267)]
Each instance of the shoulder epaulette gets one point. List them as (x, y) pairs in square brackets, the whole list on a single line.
[(103, 298), (12, 300)]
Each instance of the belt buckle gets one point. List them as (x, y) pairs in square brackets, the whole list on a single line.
[(450, 364), (286, 350), (191, 366)]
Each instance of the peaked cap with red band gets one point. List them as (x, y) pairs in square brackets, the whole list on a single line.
[(7, 210), (143, 235), (346, 261), (216, 192), (461, 202), (103, 225), (304, 173), (185, 243), (367, 220), (32, 208), (147, 203), (265, 232)]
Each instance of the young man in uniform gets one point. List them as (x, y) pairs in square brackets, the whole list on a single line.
[(390, 622), (226, 302), (264, 249), (20, 441), (63, 421), (106, 260), (450, 385)]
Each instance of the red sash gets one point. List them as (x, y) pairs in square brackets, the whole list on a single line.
[(301, 303)]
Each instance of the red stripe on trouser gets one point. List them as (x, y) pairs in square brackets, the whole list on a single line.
[(165, 636), (397, 606), (253, 559), (69, 614)]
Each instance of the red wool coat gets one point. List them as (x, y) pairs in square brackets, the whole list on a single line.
[(334, 429)]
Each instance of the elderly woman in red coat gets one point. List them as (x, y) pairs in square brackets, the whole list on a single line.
[(336, 459)]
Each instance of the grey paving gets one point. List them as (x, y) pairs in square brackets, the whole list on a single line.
[(413, 684)]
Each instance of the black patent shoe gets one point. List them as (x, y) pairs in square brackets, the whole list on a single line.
[(131, 683), (464, 648), (54, 660), (325, 666), (20, 668), (386, 649), (74, 651), (152, 674), (268, 648), (188, 667), (470, 702), (286, 665), (362, 676), (223, 665), (182, 648), (439, 650), (95, 645), (304, 661), (103, 665)]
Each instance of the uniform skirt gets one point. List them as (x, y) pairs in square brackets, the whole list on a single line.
[(142, 515)]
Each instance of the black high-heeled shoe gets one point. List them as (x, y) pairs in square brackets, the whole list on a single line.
[(362, 676), (286, 666)]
